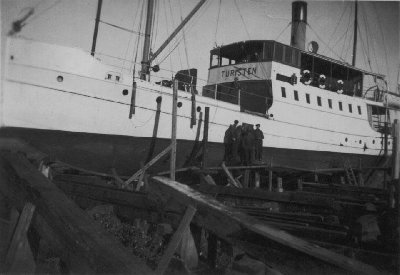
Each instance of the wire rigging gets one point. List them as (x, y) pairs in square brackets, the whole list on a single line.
[(241, 17), (184, 37), (216, 28)]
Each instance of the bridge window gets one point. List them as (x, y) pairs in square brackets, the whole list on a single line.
[(296, 95), (278, 55), (283, 90), (330, 103), (319, 101)]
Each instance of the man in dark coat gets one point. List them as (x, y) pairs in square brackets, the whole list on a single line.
[(248, 145), (259, 136), (229, 139)]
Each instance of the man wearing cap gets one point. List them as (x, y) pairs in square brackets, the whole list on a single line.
[(229, 140), (259, 136)]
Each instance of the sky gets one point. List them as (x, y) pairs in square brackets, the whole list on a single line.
[(218, 22)]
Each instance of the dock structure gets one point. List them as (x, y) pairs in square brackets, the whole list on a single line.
[(272, 214)]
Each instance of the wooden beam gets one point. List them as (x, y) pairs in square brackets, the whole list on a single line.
[(205, 136), (175, 240), (19, 237), (230, 177), (230, 221), (172, 161), (73, 228), (148, 165)]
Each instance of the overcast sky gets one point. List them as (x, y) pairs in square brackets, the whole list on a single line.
[(71, 22)]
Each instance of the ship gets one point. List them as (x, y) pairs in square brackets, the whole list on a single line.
[(313, 110)]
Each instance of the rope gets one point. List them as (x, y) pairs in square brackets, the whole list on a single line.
[(216, 28), (283, 31), (241, 17), (316, 34), (184, 38), (122, 28)]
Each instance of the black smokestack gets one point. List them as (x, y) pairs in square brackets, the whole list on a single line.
[(299, 22)]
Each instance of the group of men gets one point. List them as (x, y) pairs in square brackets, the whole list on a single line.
[(243, 141)]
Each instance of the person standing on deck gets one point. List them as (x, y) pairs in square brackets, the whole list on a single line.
[(259, 136), (237, 137), (229, 139), (248, 145)]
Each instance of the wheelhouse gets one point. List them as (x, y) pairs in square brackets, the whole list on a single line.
[(314, 70)]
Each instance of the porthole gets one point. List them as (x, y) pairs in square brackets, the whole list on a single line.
[(198, 109), (359, 141), (373, 142), (346, 139), (159, 99), (179, 104), (60, 78), (125, 92), (12, 57)]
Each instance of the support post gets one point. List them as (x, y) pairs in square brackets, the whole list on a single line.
[(173, 131), (155, 130), (270, 179), (256, 179), (205, 136), (133, 100), (175, 240), (246, 178), (280, 185), (96, 26)]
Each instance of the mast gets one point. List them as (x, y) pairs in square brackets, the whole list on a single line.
[(96, 26), (146, 47), (355, 34), (178, 29)]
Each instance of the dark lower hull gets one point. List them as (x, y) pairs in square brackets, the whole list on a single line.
[(101, 153)]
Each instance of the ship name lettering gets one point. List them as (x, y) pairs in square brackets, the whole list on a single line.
[(239, 72)]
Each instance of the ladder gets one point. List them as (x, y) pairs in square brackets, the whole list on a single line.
[(351, 177)]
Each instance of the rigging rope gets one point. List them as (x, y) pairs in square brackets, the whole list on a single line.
[(316, 34), (184, 38), (241, 17), (216, 28), (338, 23)]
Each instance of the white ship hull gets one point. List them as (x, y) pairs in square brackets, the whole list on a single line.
[(83, 119)]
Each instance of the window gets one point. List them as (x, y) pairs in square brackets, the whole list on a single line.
[(296, 95), (330, 103), (350, 108), (283, 91), (340, 106), (117, 78), (319, 101), (308, 98), (108, 76), (288, 55), (359, 109), (278, 52)]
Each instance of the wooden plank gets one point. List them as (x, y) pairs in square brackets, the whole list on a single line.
[(105, 194), (75, 230), (155, 130), (229, 219), (148, 165), (19, 236), (172, 161), (205, 136), (133, 100), (176, 238), (230, 177)]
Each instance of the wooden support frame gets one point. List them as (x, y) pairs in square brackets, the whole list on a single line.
[(19, 236), (205, 136), (174, 129), (212, 213), (175, 240), (78, 237), (231, 179)]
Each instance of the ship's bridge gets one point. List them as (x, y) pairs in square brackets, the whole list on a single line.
[(241, 73)]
